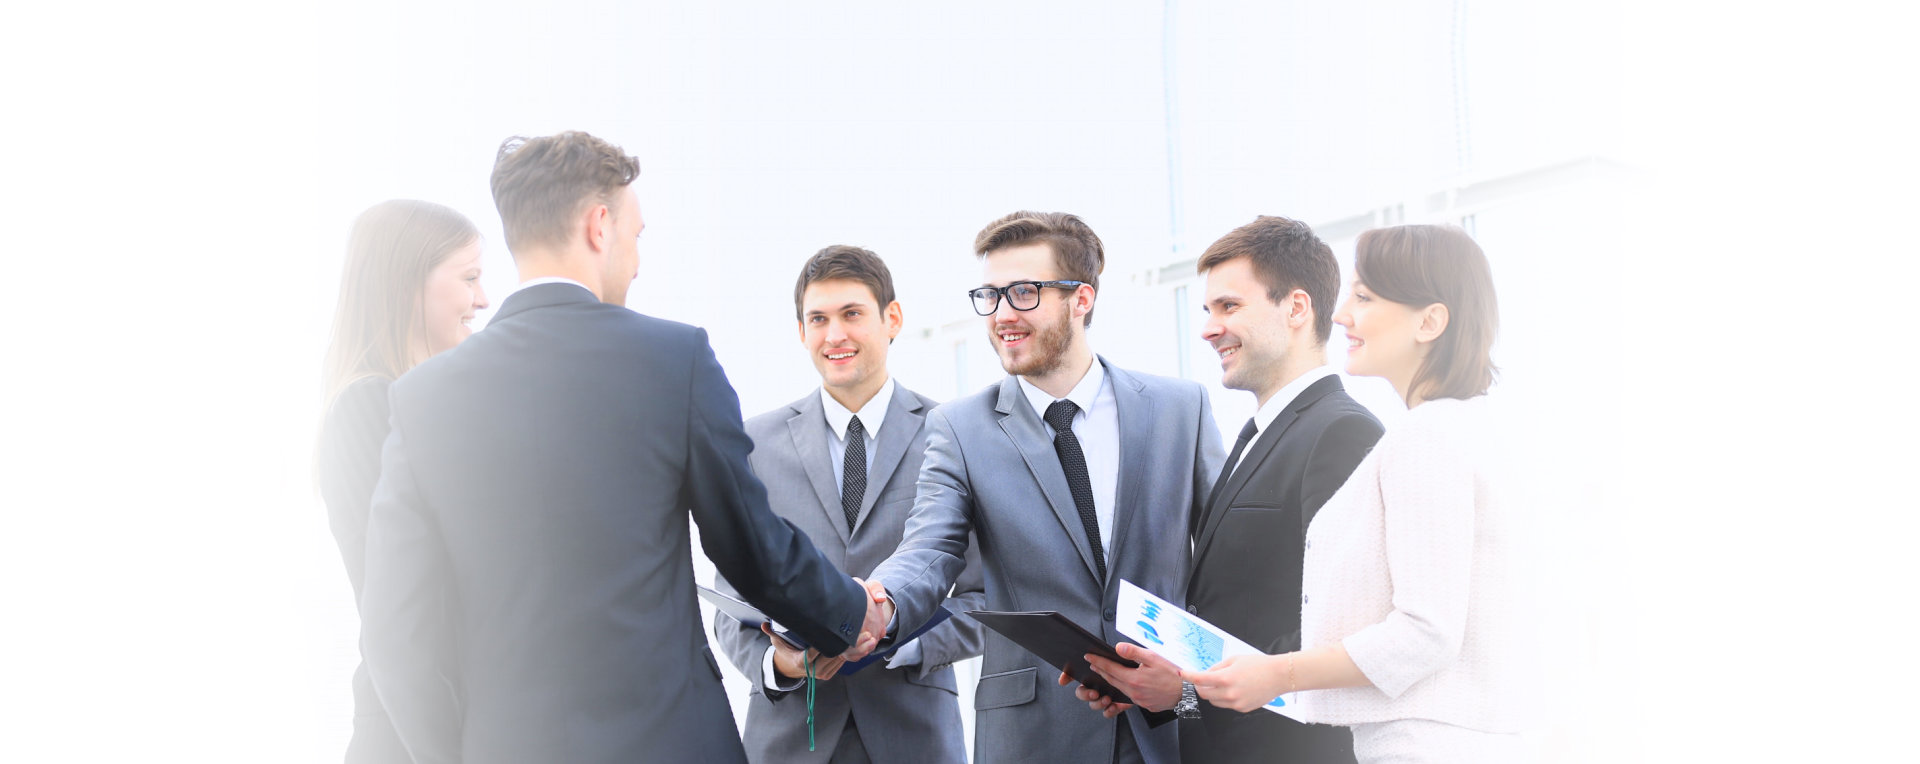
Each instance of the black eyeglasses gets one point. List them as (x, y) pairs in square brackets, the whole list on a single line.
[(1022, 295)]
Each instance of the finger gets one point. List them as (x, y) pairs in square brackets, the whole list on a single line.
[(1064, 679), (1116, 710)]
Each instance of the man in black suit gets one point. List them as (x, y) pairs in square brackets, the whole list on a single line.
[(531, 516), (1271, 286)]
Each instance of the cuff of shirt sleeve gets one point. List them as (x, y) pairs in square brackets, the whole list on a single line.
[(772, 679), (907, 655)]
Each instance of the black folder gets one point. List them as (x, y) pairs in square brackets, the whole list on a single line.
[(1060, 642)]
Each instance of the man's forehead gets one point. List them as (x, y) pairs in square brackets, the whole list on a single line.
[(836, 294)]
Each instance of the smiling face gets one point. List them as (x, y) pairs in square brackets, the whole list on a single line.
[(846, 333), (1033, 343), (450, 297), (1248, 330), (1383, 337)]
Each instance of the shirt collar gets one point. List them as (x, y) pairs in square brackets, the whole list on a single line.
[(872, 414), (1083, 394), (549, 280), (1284, 398)]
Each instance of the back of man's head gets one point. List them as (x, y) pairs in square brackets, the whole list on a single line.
[(1286, 255), (1077, 254), (541, 184)]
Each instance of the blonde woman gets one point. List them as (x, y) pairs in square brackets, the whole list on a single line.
[(412, 284), (1407, 607)]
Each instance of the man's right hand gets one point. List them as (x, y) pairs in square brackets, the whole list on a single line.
[(879, 616), (791, 662)]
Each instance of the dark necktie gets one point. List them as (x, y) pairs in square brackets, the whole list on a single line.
[(853, 475), (1060, 415), (1233, 459)]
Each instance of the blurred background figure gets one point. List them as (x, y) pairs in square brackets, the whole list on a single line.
[(411, 285)]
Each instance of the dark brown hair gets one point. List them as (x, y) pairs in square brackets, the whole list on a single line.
[(841, 261), (1419, 265), (1285, 256), (1076, 250), (539, 184)]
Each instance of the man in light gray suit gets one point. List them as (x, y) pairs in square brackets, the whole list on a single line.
[(840, 464), (1073, 474)]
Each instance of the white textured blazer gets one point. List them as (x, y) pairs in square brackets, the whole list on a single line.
[(1410, 566)]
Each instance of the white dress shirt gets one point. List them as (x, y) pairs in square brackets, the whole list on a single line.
[(872, 414), (1279, 402), (1097, 426), (549, 280)]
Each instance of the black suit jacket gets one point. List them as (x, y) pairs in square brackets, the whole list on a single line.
[(531, 519), (1247, 558)]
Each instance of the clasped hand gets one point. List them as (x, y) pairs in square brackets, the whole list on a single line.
[(791, 661)]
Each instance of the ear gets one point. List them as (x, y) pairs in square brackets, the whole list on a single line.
[(599, 222), (802, 324), (895, 320), (1299, 307), (1433, 323), (1082, 301)]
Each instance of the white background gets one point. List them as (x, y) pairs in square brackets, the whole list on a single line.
[(1707, 332)]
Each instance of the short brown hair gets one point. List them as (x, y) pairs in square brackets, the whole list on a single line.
[(841, 261), (539, 184), (1419, 265), (1076, 250), (1285, 256)]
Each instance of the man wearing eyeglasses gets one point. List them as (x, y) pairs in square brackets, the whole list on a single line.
[(1073, 474)]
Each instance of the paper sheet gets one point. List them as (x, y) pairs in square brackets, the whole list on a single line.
[(1183, 638)]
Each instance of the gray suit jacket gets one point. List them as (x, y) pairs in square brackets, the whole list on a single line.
[(906, 714), (991, 469)]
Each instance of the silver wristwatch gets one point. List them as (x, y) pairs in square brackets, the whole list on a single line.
[(1189, 705)]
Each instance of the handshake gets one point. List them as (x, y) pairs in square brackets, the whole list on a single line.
[(791, 661)]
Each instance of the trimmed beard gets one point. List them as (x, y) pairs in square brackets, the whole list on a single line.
[(1049, 351)]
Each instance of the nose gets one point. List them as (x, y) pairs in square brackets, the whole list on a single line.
[(1342, 317), (1212, 329), (479, 296), (836, 331), (1003, 313)]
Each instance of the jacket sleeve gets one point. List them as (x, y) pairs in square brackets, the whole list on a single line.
[(960, 637), (921, 572), (769, 561)]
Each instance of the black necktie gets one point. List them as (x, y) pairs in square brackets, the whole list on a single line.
[(1060, 415), (1233, 459), (853, 476)]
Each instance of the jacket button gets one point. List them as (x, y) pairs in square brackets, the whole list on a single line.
[(1192, 609), (1109, 614)]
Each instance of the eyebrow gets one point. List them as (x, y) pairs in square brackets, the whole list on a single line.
[(843, 307)]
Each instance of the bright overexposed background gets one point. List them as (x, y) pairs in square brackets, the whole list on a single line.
[(1691, 209)]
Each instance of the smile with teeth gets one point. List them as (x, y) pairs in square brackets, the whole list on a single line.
[(1226, 353), (1012, 336), (841, 355)]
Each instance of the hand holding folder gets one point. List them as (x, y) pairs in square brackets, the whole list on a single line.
[(1060, 642)]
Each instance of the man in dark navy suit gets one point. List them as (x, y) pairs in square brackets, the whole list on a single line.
[(1271, 286), (531, 516)]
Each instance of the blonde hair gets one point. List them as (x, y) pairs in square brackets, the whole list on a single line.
[(377, 329)]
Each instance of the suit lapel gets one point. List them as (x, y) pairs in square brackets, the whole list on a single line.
[(1256, 456), (808, 428), (904, 415), (1135, 412), (1029, 437)]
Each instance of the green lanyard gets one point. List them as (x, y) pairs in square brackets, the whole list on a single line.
[(809, 658)]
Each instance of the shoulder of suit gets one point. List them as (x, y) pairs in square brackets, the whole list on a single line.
[(359, 403), (1154, 384)]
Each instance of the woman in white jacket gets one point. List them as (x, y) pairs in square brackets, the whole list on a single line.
[(1408, 606)]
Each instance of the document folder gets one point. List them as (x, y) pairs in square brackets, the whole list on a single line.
[(1060, 642)]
